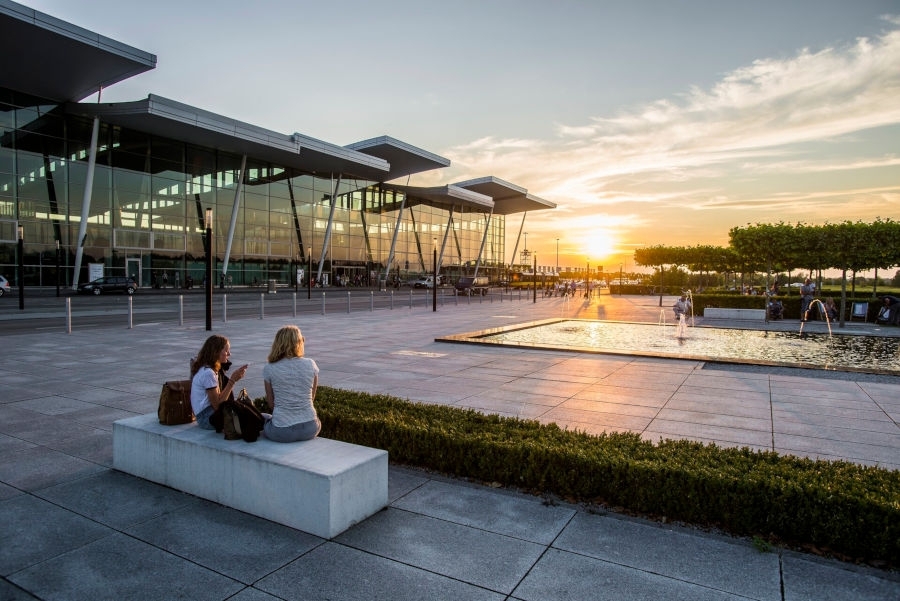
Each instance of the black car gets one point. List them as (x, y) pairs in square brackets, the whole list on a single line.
[(110, 283)]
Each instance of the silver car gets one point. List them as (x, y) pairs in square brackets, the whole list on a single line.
[(4, 285)]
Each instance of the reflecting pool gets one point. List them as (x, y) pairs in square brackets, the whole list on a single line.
[(869, 354)]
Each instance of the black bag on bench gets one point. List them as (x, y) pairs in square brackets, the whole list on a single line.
[(239, 419)]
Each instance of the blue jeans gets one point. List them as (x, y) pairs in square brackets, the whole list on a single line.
[(293, 433)]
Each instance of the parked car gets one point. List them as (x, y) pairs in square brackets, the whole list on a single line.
[(4, 285), (427, 282), (110, 283)]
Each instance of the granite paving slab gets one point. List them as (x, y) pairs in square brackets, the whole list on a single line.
[(712, 562), (494, 511), (492, 561), (820, 580), (116, 499), (119, 567), (225, 540), (339, 573), (34, 530), (564, 576)]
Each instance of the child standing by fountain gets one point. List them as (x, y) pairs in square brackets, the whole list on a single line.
[(807, 290), (682, 307)]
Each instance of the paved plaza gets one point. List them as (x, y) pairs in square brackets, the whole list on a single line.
[(73, 528)]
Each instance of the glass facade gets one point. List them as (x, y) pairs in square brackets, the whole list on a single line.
[(149, 198)]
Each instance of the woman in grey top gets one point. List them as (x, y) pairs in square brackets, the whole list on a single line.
[(290, 380)]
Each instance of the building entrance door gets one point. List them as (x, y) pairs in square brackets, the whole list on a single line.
[(133, 268)]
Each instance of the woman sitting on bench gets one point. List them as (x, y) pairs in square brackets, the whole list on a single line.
[(291, 381)]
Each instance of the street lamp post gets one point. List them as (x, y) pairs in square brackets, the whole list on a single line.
[(21, 248), (434, 278), (309, 276), (620, 278), (587, 284), (209, 284), (534, 277), (57, 268), (557, 257)]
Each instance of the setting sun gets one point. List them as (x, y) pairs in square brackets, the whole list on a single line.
[(599, 245)]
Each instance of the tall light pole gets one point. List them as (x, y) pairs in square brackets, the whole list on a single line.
[(534, 277), (557, 257), (309, 275), (621, 266), (587, 284), (57, 268), (209, 284), (434, 278), (21, 247)]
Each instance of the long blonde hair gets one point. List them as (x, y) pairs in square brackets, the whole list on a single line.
[(288, 343)]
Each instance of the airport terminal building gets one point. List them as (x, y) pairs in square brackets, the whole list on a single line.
[(130, 188)]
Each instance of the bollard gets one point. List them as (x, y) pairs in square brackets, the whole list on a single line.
[(456, 298), (410, 298), (224, 308), (68, 315), (468, 297), (295, 304), (130, 312), (348, 302), (181, 309), (371, 301), (262, 306), (392, 300), (323, 303)]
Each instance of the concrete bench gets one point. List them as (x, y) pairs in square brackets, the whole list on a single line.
[(319, 486), (735, 314)]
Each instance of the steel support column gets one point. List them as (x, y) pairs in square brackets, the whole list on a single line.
[(236, 205), (86, 201), (334, 196), (487, 228)]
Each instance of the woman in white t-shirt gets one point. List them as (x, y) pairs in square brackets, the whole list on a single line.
[(206, 395), (291, 381)]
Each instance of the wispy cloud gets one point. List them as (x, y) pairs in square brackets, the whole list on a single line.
[(774, 116)]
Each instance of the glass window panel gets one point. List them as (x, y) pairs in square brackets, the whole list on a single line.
[(280, 249), (132, 239), (168, 241), (256, 247)]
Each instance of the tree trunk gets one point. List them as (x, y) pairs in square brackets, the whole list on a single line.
[(843, 297)]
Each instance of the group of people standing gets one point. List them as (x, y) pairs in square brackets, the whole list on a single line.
[(290, 381)]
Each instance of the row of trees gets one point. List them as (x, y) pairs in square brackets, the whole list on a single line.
[(783, 247)]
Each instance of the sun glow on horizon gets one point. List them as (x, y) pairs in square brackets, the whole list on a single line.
[(599, 245)]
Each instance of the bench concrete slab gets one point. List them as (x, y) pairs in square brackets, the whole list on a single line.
[(319, 486), (751, 314)]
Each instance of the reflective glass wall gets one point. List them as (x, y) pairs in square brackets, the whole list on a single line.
[(150, 195)]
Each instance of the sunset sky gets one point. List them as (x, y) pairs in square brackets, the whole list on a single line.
[(646, 122)]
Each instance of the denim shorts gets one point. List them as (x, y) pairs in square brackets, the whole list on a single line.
[(203, 418)]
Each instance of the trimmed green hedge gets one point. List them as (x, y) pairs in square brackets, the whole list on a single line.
[(848, 509)]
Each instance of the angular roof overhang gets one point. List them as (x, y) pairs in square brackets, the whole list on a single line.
[(508, 198), (405, 159), (49, 58), (449, 195), (177, 121)]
